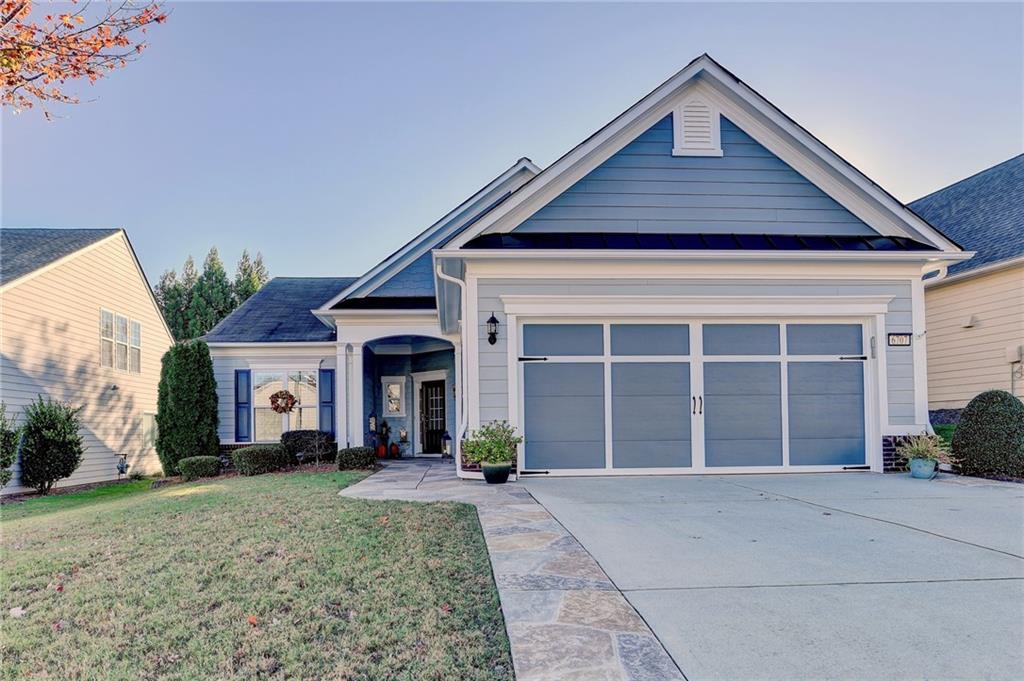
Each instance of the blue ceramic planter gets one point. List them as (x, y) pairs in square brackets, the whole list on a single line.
[(924, 469)]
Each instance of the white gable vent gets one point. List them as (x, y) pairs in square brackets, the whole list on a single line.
[(696, 129)]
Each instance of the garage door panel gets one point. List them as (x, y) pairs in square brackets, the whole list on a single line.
[(651, 378), (650, 339), (654, 418), (563, 339), (824, 339), (741, 339), (817, 416), (765, 452), (566, 380), (826, 378), (651, 454), (826, 451), (742, 378), (559, 454), (736, 416), (551, 418)]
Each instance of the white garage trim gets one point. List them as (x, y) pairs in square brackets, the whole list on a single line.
[(694, 306)]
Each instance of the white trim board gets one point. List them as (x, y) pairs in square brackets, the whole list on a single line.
[(756, 116), (704, 306)]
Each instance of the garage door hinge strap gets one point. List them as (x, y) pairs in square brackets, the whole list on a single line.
[(533, 359)]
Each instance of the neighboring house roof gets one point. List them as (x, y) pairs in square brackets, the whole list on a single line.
[(984, 213), (751, 111), (25, 250), (280, 312), (679, 242)]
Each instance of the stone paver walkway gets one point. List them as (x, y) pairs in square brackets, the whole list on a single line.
[(566, 620)]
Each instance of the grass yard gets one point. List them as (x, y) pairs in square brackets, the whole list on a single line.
[(273, 576)]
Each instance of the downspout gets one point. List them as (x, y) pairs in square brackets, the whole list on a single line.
[(940, 269), (463, 301)]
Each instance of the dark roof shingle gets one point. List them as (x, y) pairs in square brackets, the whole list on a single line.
[(983, 213), (280, 312), (25, 250)]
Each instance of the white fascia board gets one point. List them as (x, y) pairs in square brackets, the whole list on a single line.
[(706, 306), (721, 256), (977, 272), (273, 346), (433, 234), (882, 210)]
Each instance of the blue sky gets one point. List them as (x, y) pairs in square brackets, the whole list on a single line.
[(327, 134)]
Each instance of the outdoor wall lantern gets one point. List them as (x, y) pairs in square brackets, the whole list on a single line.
[(492, 329), (372, 422), (446, 444), (403, 434)]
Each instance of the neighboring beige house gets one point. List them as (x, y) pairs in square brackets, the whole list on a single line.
[(78, 323), (975, 314)]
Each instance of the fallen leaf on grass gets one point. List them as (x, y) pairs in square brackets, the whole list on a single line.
[(446, 609), (17, 612), (384, 519), (252, 620)]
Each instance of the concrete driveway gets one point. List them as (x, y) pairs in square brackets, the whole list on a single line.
[(832, 576)]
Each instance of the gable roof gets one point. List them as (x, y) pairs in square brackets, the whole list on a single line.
[(25, 250), (757, 116), (280, 313), (456, 220), (983, 212)]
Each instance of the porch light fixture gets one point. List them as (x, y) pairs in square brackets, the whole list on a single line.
[(492, 329), (403, 434), (372, 422), (446, 444)]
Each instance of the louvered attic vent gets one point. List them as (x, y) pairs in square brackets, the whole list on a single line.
[(696, 129)]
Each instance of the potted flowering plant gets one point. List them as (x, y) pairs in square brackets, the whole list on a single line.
[(494, 447), (923, 452)]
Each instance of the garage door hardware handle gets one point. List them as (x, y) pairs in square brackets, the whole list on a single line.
[(694, 406), (533, 359), (854, 357), (700, 401)]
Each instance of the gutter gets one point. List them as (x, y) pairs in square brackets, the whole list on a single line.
[(978, 272), (464, 420), (616, 254)]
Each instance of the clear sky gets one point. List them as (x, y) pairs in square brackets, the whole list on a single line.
[(327, 134)]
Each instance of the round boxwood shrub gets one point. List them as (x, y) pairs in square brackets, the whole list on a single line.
[(193, 467), (989, 440), (51, 447), (309, 445), (258, 459), (356, 457)]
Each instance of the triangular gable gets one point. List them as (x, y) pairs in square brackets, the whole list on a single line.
[(742, 106), (403, 270), (645, 188)]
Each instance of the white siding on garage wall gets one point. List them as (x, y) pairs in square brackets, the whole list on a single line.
[(49, 334), (494, 360)]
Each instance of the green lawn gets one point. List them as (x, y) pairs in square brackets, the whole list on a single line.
[(267, 577)]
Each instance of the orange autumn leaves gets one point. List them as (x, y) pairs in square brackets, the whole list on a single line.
[(40, 52)]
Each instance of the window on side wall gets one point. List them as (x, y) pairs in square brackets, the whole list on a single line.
[(393, 389), (107, 339), (149, 431), (135, 348)]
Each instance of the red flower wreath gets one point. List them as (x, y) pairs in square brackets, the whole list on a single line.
[(282, 401)]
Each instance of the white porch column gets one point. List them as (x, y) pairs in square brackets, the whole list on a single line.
[(356, 396), (456, 444), (341, 397)]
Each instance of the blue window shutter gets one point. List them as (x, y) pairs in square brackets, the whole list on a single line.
[(327, 401), (243, 402)]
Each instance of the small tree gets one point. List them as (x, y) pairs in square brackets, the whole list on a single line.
[(211, 297), (250, 276), (186, 414), (9, 436), (51, 447)]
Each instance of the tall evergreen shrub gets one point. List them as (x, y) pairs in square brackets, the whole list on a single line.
[(186, 413)]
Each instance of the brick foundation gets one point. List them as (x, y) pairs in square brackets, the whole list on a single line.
[(890, 461), (225, 456)]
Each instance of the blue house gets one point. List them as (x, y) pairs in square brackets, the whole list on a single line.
[(700, 286)]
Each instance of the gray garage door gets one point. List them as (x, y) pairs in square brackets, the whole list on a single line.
[(621, 396)]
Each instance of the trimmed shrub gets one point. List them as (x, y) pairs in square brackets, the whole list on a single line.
[(308, 445), (51, 446), (192, 467), (259, 459), (989, 440), (186, 412), (356, 457), (9, 436)]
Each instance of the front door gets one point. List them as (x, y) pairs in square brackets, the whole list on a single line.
[(432, 416)]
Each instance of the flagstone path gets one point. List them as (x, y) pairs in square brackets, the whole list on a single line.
[(566, 620)]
